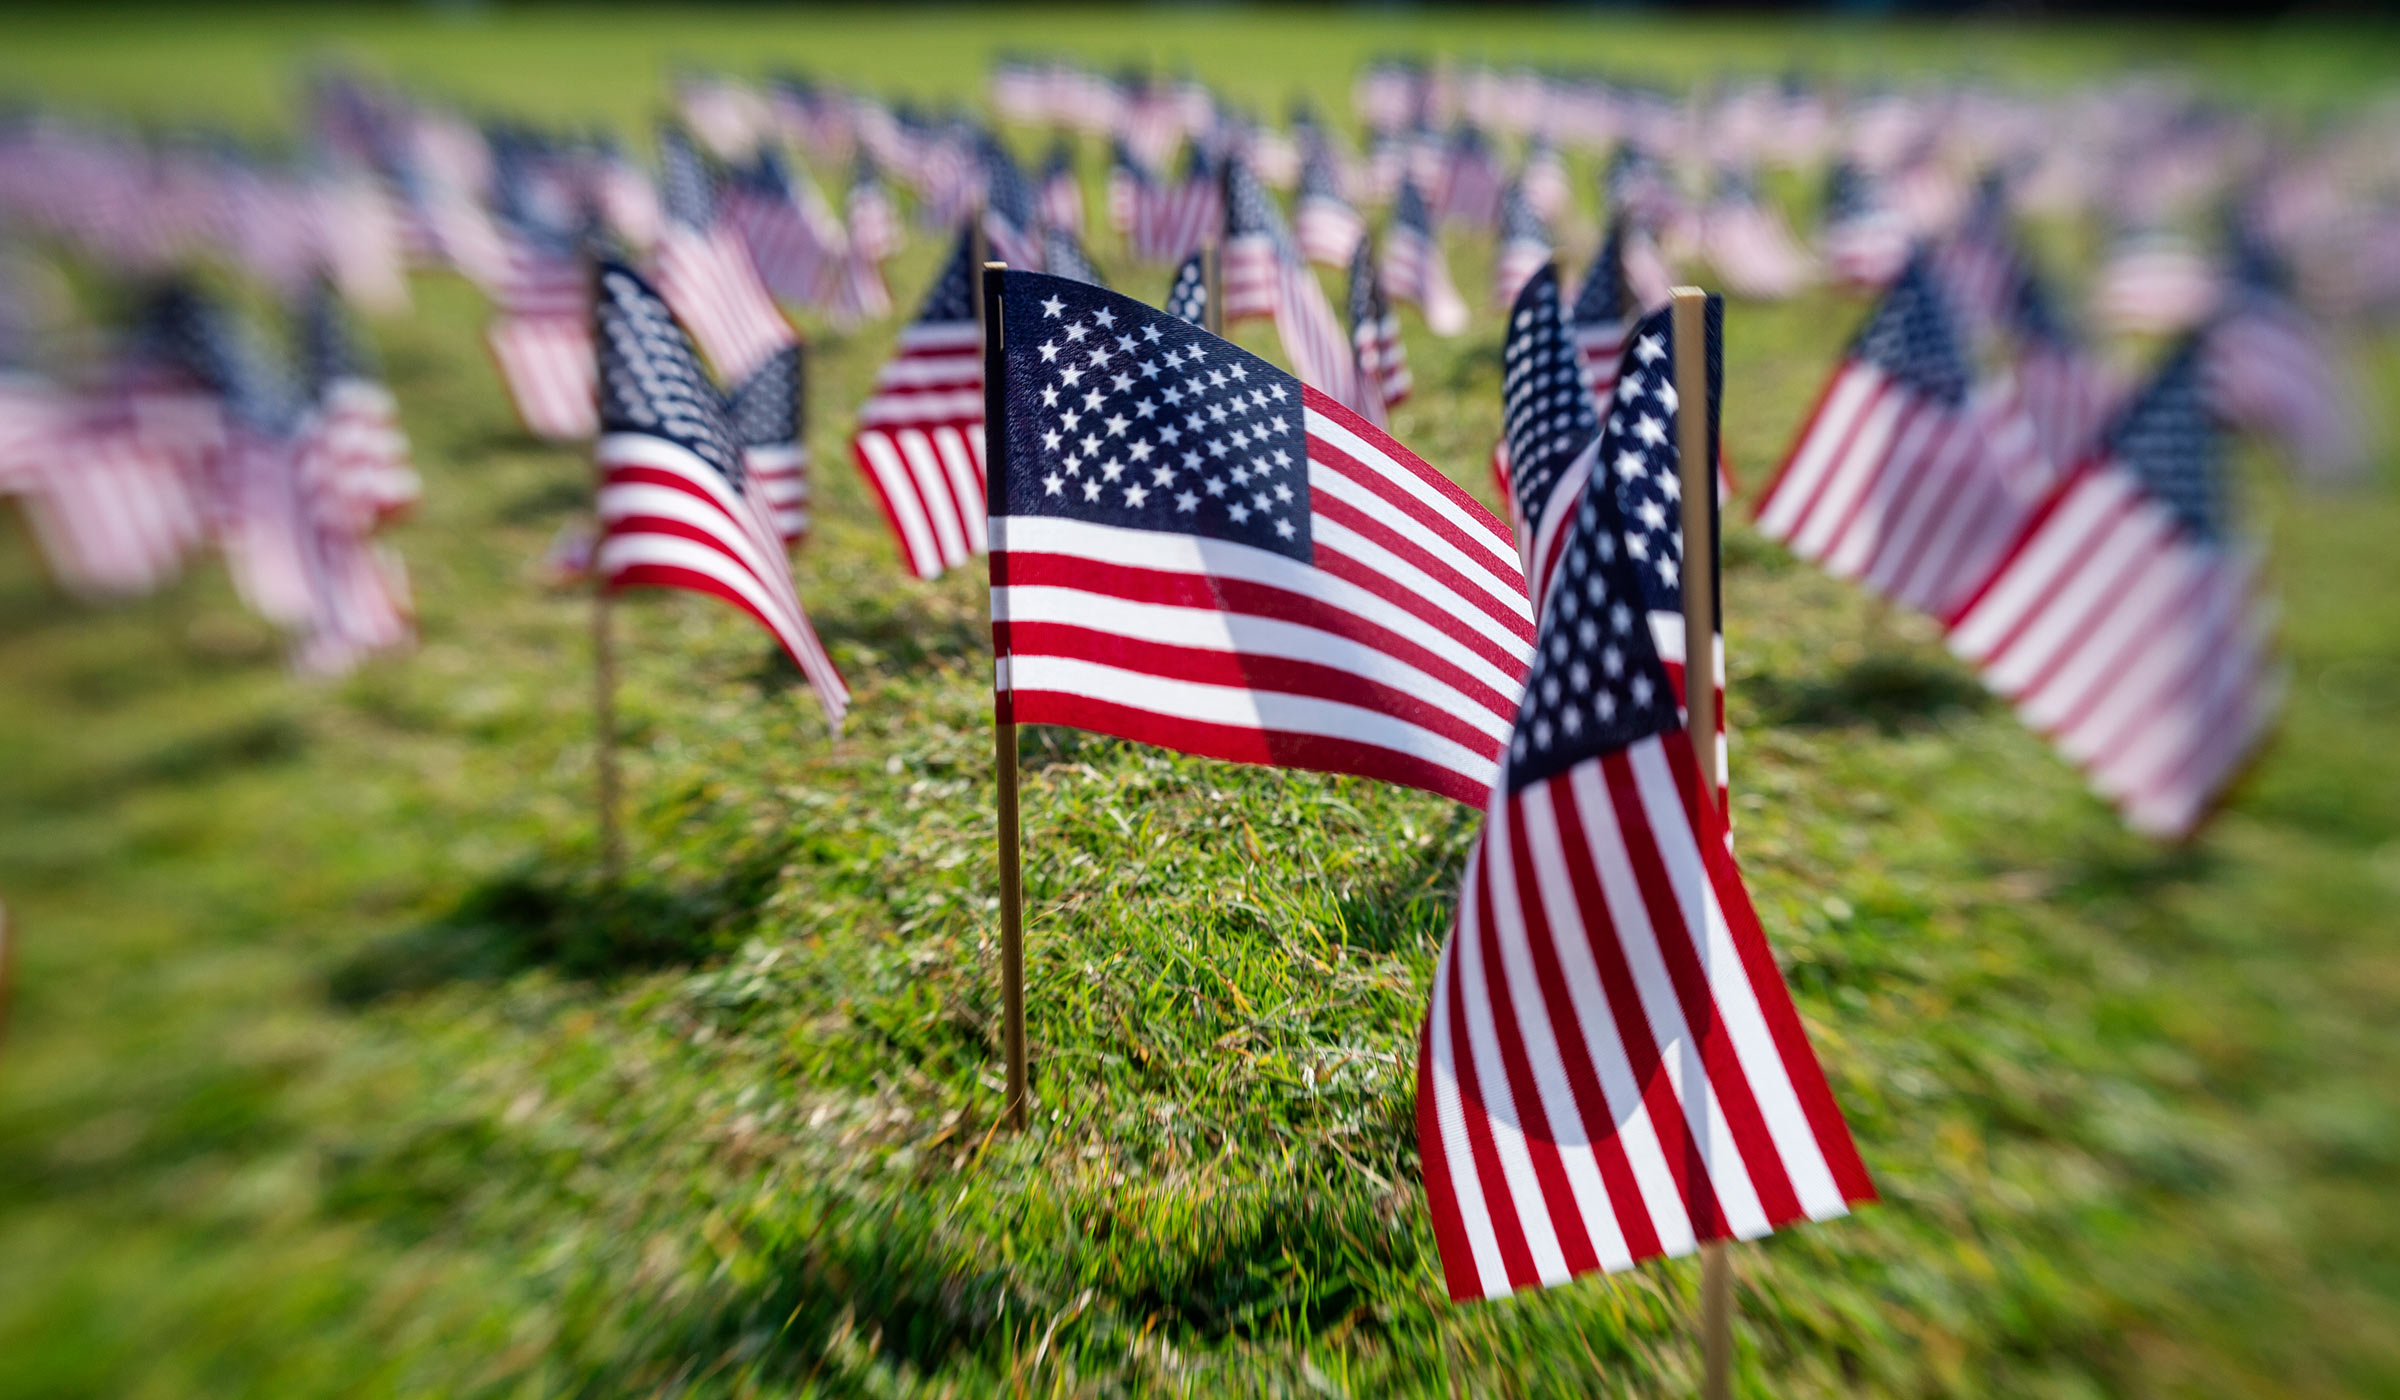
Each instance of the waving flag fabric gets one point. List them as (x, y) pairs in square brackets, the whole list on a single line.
[(353, 474), (2125, 625), (705, 271), (796, 244), (1524, 244), (1063, 255), (1383, 377), (1414, 268), (1604, 311), (1060, 199), (766, 417), (541, 336), (1188, 297), (1864, 240), (1611, 1069), (1329, 230), (920, 436), (1896, 478), (675, 508), (2069, 395), (1191, 548)]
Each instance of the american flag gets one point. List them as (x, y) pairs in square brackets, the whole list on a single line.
[(1977, 265), (1193, 549), (705, 270), (1604, 311), (542, 335), (1611, 1068), (113, 513), (796, 245), (1897, 478), (2125, 625), (675, 506), (1129, 182), (767, 415), (1060, 199), (1169, 221), (353, 474), (1263, 274), (1063, 255), (1011, 222), (1414, 269), (1383, 378), (2154, 282), (1749, 244), (2272, 370), (1472, 181), (2068, 393), (920, 435), (1188, 297), (1525, 246), (1328, 228), (1863, 238), (875, 228)]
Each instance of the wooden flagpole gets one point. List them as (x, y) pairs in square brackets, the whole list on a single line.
[(1212, 281), (1697, 464), (1004, 728)]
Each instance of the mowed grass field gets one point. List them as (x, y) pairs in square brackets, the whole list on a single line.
[(335, 1069)]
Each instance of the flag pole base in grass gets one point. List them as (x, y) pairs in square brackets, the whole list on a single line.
[(1716, 1320)]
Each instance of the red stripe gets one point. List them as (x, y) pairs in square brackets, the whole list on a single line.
[(1238, 744), (1692, 993), (2107, 554), (2034, 523), (1451, 1244), (922, 565), (1498, 568)]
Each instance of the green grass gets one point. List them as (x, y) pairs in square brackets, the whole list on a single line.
[(336, 1070)]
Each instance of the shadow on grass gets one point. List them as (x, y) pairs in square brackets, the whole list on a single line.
[(565, 919), (549, 500), (1887, 689)]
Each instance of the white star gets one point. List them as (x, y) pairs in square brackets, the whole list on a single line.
[(1215, 485), (1648, 349), (1072, 378), (1090, 444), (1282, 458), (1053, 482), (1071, 418), (1148, 369), (1049, 397), (1629, 389), (1091, 400), (1172, 394), (1098, 357), (1112, 469), (1283, 493), (1127, 344), (1666, 395), (1218, 450), (1050, 440), (1283, 528), (1076, 332), (1239, 512), (1606, 706), (1091, 490), (1106, 317), (1277, 389), (1144, 408), (1621, 618), (1053, 306), (1116, 423), (1152, 333), (1629, 464), (1641, 692), (1259, 499), (1240, 370), (1186, 501), (1162, 476), (1216, 378), (1120, 382), (1612, 661), (1135, 495), (1170, 434), (1049, 351), (1139, 451), (1654, 515), (1650, 430), (1667, 570)]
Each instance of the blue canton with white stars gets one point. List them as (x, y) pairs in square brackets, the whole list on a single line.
[(1910, 338), (1188, 298), (1119, 414), (650, 378), (764, 410), (2168, 438), (1639, 459), (1597, 683), (1604, 300), (687, 194), (951, 298), (1546, 412)]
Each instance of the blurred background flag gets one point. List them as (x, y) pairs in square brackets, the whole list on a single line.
[(920, 435), (705, 269)]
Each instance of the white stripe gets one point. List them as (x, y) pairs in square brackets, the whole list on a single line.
[(932, 481), (2128, 620), (898, 487), (966, 483), (1871, 449), (1762, 1066), (2077, 598), (618, 500), (1243, 707), (2057, 546)]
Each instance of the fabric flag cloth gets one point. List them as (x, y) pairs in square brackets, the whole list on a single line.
[(1191, 548), (1978, 265), (1611, 1068), (1863, 239), (920, 435), (705, 270), (675, 506), (766, 413), (1329, 230), (1605, 309), (1011, 220), (1263, 274), (796, 244), (1059, 201), (1525, 246), (1063, 256), (1414, 268), (1188, 297), (2068, 394), (2125, 625), (1897, 478), (1384, 381), (1750, 246), (541, 337), (354, 474), (1169, 221), (2271, 370)]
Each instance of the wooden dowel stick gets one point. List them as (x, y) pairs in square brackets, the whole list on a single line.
[(1698, 467), (1212, 280), (604, 724), (1004, 727)]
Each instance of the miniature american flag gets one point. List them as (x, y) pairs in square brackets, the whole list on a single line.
[(1188, 298), (1414, 269), (920, 436), (1611, 1069), (765, 414), (705, 270), (1328, 228), (2125, 625), (1383, 377), (1191, 548), (675, 506)]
